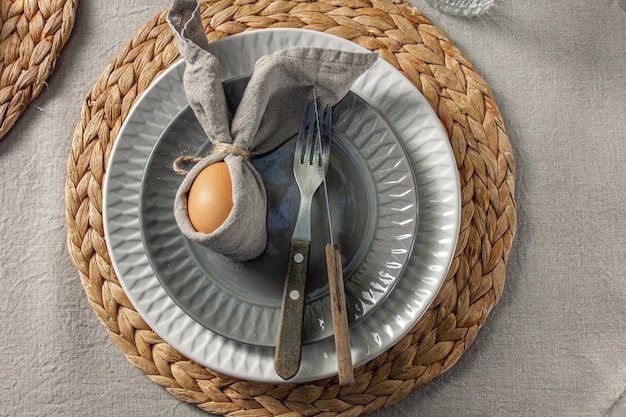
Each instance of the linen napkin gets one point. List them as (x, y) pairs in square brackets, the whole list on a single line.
[(268, 115)]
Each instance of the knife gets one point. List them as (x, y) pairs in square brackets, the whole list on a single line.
[(336, 288)]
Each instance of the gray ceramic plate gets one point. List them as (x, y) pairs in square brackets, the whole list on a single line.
[(372, 197), (410, 119)]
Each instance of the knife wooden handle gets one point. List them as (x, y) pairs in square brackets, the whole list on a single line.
[(340, 315), (289, 342)]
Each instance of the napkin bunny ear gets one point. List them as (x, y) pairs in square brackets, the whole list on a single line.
[(268, 115), (271, 106), (202, 76)]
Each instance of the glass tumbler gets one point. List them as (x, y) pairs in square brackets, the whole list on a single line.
[(462, 7)]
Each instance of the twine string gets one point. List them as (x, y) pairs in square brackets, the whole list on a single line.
[(221, 147)]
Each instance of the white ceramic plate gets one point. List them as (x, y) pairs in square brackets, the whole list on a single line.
[(435, 173)]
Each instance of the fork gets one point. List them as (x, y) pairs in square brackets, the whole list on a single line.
[(310, 164)]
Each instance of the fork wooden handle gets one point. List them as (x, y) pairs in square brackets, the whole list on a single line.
[(340, 315), (289, 343)]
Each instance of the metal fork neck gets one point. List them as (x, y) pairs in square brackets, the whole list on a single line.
[(302, 230)]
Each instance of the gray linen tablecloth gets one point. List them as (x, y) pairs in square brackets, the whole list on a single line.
[(554, 346)]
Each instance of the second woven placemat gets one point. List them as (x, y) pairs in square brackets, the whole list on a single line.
[(32, 36), (465, 105)]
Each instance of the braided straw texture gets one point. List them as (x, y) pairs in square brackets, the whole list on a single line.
[(32, 36), (474, 284)]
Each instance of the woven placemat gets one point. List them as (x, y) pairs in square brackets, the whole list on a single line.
[(32, 36), (474, 284)]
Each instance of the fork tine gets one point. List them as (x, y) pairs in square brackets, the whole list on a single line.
[(326, 135), (320, 116), (300, 142), (315, 158), (311, 143)]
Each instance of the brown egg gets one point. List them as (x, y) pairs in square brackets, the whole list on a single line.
[(210, 198)]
